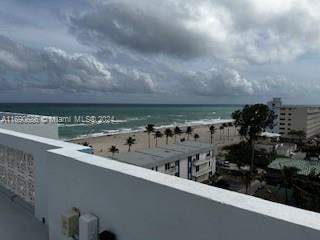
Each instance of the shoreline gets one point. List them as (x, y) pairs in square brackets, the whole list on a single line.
[(141, 129), (101, 144)]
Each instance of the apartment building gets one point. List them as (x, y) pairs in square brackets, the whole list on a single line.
[(189, 160), (295, 118)]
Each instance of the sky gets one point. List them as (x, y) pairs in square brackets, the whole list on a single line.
[(168, 51)]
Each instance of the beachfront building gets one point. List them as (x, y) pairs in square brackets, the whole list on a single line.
[(190, 160), (294, 119), (78, 196)]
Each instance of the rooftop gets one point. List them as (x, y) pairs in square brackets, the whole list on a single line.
[(163, 154), (17, 223), (304, 166)]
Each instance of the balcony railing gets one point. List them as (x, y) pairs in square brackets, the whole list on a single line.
[(201, 172), (202, 161)]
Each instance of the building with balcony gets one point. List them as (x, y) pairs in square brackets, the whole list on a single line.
[(75, 191), (190, 160), (295, 119)]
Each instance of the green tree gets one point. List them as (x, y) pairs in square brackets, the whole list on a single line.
[(196, 137), (252, 120), (157, 134), (212, 131), (130, 141), (287, 178), (176, 131), (149, 129), (113, 149), (168, 133), (300, 135), (189, 132)]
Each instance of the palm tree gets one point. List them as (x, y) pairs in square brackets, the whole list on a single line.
[(221, 128), (149, 129), (157, 135), (189, 132), (247, 177), (287, 178), (230, 124), (212, 130), (130, 141), (196, 137), (113, 149), (168, 133), (225, 125), (177, 131)]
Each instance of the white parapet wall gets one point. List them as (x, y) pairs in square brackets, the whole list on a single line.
[(36, 147), (42, 126), (136, 203)]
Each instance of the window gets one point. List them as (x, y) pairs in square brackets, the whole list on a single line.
[(282, 114), (281, 132), (289, 124), (197, 156), (208, 154), (167, 166), (281, 124), (282, 119), (197, 168), (189, 158)]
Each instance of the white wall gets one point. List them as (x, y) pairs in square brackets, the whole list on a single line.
[(137, 203), (184, 168), (50, 130), (37, 146)]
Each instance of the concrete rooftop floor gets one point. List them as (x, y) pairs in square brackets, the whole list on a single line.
[(16, 223)]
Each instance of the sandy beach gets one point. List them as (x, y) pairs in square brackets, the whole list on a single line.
[(103, 143)]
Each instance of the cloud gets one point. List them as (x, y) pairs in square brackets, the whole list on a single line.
[(247, 31), (217, 82), (52, 69)]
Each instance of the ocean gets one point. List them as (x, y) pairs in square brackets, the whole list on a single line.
[(120, 118)]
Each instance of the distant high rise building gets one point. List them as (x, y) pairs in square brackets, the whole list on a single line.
[(275, 106)]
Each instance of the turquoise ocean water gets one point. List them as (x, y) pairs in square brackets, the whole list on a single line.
[(125, 117)]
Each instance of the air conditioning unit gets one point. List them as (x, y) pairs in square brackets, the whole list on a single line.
[(88, 227), (70, 222)]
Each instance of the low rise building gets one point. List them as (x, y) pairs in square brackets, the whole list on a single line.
[(190, 160)]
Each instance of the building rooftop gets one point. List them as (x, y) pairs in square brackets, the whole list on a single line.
[(17, 223), (304, 166), (152, 157)]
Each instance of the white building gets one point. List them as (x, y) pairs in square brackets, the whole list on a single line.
[(190, 160), (295, 118), (132, 202)]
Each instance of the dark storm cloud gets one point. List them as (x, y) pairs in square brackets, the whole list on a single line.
[(138, 29), (23, 68)]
